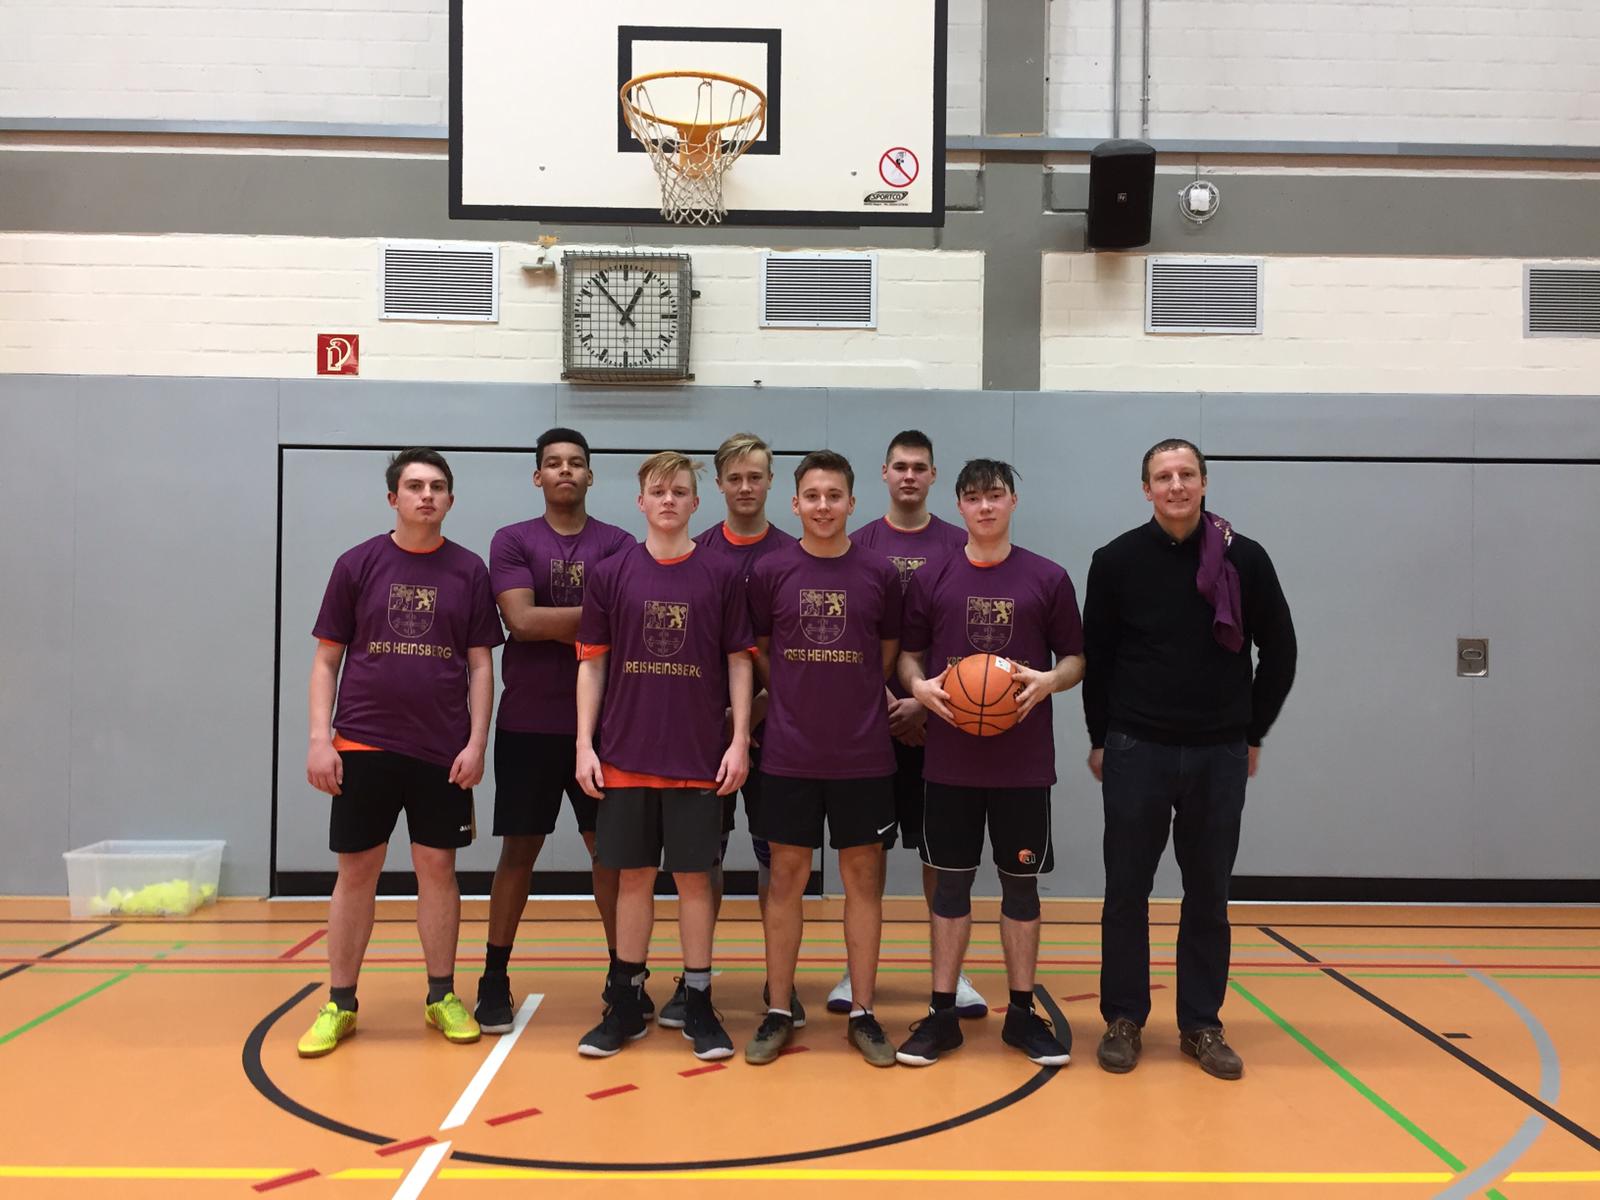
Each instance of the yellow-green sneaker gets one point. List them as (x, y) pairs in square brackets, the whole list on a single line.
[(332, 1026), (451, 1018)]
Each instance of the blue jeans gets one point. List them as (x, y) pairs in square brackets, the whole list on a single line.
[(1197, 791)]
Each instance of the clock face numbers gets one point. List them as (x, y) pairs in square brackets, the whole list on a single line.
[(625, 315)]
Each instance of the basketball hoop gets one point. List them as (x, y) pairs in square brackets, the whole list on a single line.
[(691, 155)]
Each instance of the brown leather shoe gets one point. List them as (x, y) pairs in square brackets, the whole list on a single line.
[(1119, 1047), (1210, 1049)]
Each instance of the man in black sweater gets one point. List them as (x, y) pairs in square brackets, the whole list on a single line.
[(1176, 718)]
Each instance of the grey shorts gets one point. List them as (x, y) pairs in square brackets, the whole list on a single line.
[(675, 829)]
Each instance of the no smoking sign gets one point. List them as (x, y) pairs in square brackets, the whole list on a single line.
[(898, 167)]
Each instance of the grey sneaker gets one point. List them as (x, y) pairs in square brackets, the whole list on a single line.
[(1211, 1050), (770, 1039), (796, 1009), (671, 1016), (867, 1036), (1119, 1047)]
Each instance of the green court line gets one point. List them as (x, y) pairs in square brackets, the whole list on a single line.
[(61, 1008), (1394, 1114)]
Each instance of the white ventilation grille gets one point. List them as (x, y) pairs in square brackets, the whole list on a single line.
[(819, 291), (1202, 295), (440, 281), (1561, 301)]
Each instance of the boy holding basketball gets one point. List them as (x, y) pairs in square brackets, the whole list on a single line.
[(827, 621), (996, 599), (664, 645)]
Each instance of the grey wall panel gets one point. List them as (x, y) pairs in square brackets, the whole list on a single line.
[(350, 412), (1369, 769), (173, 589), (1016, 46), (38, 418), (694, 418), (1361, 426), (1536, 759), (1079, 456), (1537, 426)]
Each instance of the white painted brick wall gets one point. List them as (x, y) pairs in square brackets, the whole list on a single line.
[(239, 306), (1524, 72), (1354, 324), (365, 62)]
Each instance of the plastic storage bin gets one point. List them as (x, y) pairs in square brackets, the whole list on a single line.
[(142, 879)]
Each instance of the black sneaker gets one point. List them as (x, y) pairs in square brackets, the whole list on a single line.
[(937, 1033), (647, 1008), (771, 1036), (702, 1025), (495, 1012), (796, 1009), (672, 1011), (1033, 1035), (619, 1025)]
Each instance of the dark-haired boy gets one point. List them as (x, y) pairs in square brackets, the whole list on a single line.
[(995, 598), (827, 621), (408, 616), (538, 570)]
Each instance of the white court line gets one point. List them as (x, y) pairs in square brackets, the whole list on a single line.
[(421, 1171), (480, 1082)]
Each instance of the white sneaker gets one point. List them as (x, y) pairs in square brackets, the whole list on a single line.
[(968, 1002), (840, 1000)]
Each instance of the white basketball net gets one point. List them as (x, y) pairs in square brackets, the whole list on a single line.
[(691, 156)]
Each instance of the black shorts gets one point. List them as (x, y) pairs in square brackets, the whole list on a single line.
[(531, 770), (1019, 828), (675, 829), (379, 784), (907, 795), (858, 812)]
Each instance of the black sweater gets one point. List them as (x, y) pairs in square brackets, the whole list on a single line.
[(1154, 670)]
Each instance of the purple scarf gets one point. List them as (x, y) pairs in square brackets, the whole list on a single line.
[(1218, 581)]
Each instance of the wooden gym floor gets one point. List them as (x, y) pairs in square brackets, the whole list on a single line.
[(1389, 1051)]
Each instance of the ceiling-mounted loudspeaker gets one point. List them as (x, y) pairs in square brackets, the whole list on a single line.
[(1122, 188)]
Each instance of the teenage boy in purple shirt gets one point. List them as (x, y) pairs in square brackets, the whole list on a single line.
[(538, 570), (664, 645), (910, 537), (408, 615), (827, 623), (743, 537), (1000, 599)]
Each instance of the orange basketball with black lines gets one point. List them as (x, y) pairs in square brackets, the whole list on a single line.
[(983, 694)]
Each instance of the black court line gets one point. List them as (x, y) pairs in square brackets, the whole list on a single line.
[(1449, 1047), (256, 1073), (61, 949)]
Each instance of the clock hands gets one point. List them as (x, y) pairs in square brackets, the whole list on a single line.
[(627, 315), (626, 319)]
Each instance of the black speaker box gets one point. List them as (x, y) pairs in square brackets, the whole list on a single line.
[(1122, 185)]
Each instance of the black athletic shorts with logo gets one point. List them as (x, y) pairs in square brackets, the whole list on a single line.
[(379, 784), (675, 829), (791, 812), (531, 771), (953, 820), (907, 795)]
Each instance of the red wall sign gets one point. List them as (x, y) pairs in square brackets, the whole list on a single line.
[(338, 354)]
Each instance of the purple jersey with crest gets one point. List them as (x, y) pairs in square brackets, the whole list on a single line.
[(541, 678), (744, 555), (910, 551), (1024, 609), (670, 628), (407, 621), (827, 618)]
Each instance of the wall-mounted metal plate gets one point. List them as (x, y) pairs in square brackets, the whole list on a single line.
[(1472, 657)]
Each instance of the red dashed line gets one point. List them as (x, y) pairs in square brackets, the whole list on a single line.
[(692, 1071), (304, 944), (505, 1118), (616, 1091), (1079, 996), (286, 1180), (793, 1050), (1156, 987), (402, 1147)]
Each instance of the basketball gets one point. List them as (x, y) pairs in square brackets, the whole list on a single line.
[(983, 694)]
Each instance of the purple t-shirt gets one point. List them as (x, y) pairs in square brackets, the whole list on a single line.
[(407, 621), (827, 618), (744, 555), (670, 627), (1024, 609), (541, 678), (910, 551)]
